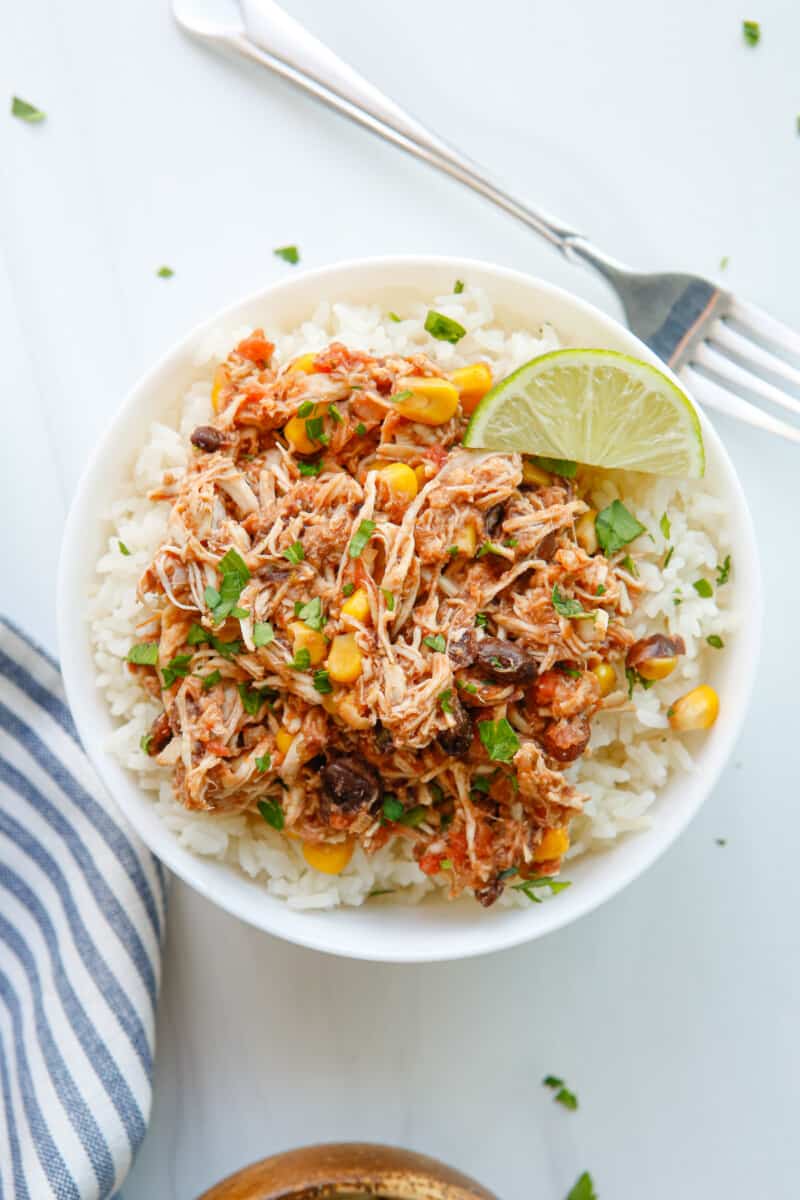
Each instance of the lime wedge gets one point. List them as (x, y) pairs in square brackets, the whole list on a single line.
[(592, 406)]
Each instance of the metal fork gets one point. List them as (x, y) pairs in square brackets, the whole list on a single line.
[(722, 348)]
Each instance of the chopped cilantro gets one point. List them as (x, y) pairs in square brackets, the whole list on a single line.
[(715, 640), (481, 620), (312, 614), (306, 409), (724, 571), (452, 551), (511, 543), (443, 328), (176, 668), (334, 414), (499, 739), (263, 634), (552, 1081), (144, 654), (322, 682), (583, 1188), (289, 254), (458, 287), (251, 698), (751, 31), (568, 606), (165, 272), (272, 813), (309, 468), (315, 429), (703, 588), (25, 111), (723, 262), (467, 687), (123, 549), (446, 865), (264, 762), (414, 816), (616, 527), (445, 700), (394, 317), (530, 886), (295, 553), (388, 598), (566, 669), (145, 742), (664, 526), (404, 395), (564, 467), (600, 590), (668, 557), (630, 566), (211, 680), (567, 1098), (392, 807), (435, 642), (241, 614), (721, 841), (361, 429), (348, 589), (481, 783), (301, 660), (360, 538), (489, 548), (436, 791), (235, 574)]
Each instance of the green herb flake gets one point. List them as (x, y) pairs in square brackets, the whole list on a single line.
[(721, 841), (458, 287), (165, 272), (301, 660), (567, 1098), (564, 467), (305, 409), (272, 813), (211, 680), (392, 807), (443, 328), (446, 865), (295, 553), (235, 575), (452, 551), (143, 654), (264, 762), (312, 614), (490, 548), (499, 739), (334, 414), (394, 317), (751, 32), (668, 557), (529, 886), (404, 395), (348, 589), (568, 606), (723, 262), (289, 254), (322, 682), (315, 429), (724, 571), (566, 669), (360, 538), (437, 791), (414, 817), (211, 596), (309, 468), (445, 699), (240, 614), (123, 549), (145, 742), (251, 698), (435, 642), (176, 668), (481, 783), (481, 620), (665, 526), (703, 588), (552, 1081), (600, 590), (26, 112), (467, 687), (263, 634), (715, 640), (583, 1188), (388, 598), (511, 543), (616, 527), (361, 429), (630, 566)]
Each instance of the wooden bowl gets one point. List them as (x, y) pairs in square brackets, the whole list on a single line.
[(352, 1169)]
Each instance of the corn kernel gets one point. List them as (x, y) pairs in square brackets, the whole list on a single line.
[(554, 844), (356, 608), (432, 401), (698, 709), (221, 380), (466, 539), (304, 363), (344, 659), (422, 477), (283, 740), (586, 532), (606, 676), (295, 433), (533, 474), (311, 640), (329, 857), (473, 382), (400, 480)]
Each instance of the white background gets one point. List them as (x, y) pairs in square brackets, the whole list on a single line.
[(673, 1010)]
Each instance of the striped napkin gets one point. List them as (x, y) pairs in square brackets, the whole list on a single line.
[(81, 923)]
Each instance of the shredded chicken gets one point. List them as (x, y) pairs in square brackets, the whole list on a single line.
[(472, 690)]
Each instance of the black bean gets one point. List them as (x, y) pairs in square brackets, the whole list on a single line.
[(457, 739), (504, 661), (461, 649), (493, 517), (490, 892), (351, 783), (207, 438)]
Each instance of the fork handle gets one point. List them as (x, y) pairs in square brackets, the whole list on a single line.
[(279, 42)]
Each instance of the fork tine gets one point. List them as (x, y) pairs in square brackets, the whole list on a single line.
[(756, 320), (714, 396), (753, 355), (737, 377)]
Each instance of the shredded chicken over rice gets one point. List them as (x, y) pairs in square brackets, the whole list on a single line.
[(363, 654)]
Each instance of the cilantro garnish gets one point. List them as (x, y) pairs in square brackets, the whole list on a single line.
[(583, 1189), (123, 549), (564, 467), (289, 254), (392, 807), (388, 598), (306, 409), (263, 634), (443, 328), (715, 640), (235, 575), (445, 700), (176, 668), (435, 642), (751, 31), (568, 606), (165, 272), (144, 654), (301, 660), (312, 614), (361, 429), (251, 698), (499, 739), (724, 571), (264, 762), (211, 680), (360, 538), (489, 548), (272, 813), (664, 526), (394, 317), (481, 620), (145, 741), (309, 468), (315, 429), (348, 589), (25, 111), (703, 588), (295, 553), (322, 682), (458, 287), (616, 527), (529, 886)]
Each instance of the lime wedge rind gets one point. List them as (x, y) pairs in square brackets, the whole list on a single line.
[(598, 407)]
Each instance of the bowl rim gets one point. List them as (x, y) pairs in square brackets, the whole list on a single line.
[(191, 868)]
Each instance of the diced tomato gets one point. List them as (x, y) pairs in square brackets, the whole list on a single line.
[(256, 348), (437, 455), (431, 864), (338, 358)]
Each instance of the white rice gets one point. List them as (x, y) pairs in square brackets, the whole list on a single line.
[(630, 759)]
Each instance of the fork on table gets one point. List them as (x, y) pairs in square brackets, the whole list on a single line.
[(723, 348)]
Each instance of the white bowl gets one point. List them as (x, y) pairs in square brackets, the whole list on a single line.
[(433, 930)]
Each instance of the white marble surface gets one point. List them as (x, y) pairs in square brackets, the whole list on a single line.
[(673, 1010)]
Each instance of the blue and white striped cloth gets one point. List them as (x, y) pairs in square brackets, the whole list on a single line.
[(81, 924)]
